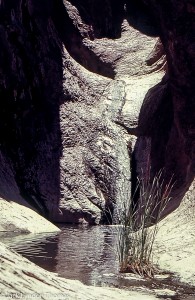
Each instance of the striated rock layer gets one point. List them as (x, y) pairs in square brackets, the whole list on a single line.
[(78, 85)]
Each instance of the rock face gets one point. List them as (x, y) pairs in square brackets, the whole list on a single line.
[(18, 218), (172, 141), (68, 156), (21, 279), (72, 82)]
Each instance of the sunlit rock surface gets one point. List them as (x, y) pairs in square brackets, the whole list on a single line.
[(18, 218), (174, 249)]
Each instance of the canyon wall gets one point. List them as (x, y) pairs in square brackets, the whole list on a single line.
[(88, 94), (173, 145)]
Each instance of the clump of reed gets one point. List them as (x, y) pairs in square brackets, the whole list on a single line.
[(135, 235)]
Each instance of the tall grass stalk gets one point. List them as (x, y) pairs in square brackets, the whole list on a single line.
[(135, 239)]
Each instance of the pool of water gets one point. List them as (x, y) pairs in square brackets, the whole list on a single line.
[(88, 253), (77, 252)]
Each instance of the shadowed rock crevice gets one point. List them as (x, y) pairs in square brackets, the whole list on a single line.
[(141, 17), (104, 18)]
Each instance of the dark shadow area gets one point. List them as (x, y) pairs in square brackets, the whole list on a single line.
[(140, 16), (72, 37), (31, 91), (155, 121), (135, 191), (154, 124), (107, 214), (104, 16)]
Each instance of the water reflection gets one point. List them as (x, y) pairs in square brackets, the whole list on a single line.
[(77, 252), (85, 253), (41, 248)]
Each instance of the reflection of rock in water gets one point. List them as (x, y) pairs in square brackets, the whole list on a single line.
[(88, 254), (38, 248), (85, 253), (82, 253), (20, 279)]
